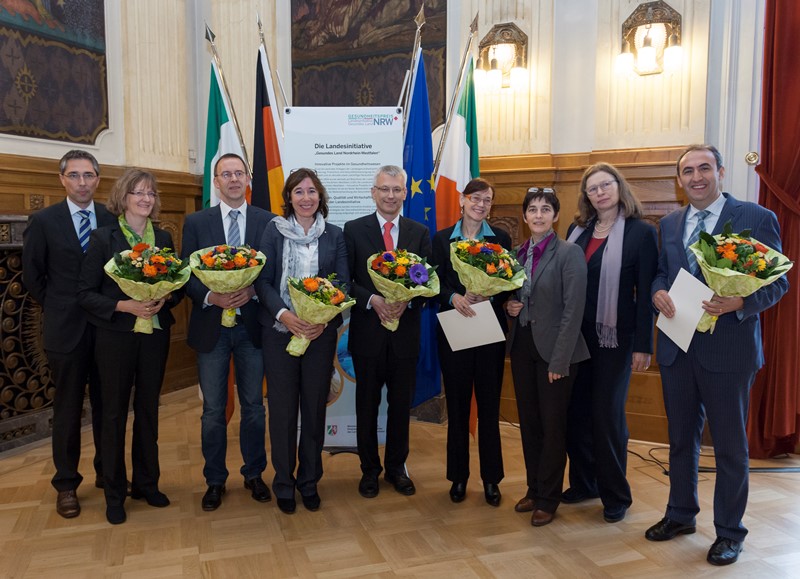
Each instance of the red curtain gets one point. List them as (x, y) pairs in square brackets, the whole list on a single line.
[(774, 421)]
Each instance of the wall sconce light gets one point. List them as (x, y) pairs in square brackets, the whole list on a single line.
[(651, 40), (501, 59)]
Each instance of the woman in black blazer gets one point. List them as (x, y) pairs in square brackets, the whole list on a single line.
[(622, 256), (480, 367), (126, 360), (299, 244)]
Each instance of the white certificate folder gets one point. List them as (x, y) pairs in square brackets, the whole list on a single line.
[(462, 332)]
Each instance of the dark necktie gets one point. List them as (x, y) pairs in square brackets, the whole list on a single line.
[(84, 229), (234, 235)]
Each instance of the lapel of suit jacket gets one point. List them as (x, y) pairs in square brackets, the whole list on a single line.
[(250, 233), (215, 228), (67, 226), (374, 235), (547, 256), (729, 213), (403, 236)]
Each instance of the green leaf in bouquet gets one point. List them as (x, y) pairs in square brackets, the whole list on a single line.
[(724, 263), (745, 233), (708, 238), (118, 258), (709, 255), (727, 229)]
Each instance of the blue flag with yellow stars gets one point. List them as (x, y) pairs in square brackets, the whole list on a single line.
[(420, 205)]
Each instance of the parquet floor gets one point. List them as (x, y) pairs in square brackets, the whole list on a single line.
[(421, 536)]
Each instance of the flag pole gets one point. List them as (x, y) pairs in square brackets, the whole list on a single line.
[(405, 93), (210, 36), (269, 64), (473, 28)]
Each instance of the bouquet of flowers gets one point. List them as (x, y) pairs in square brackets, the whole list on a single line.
[(147, 273), (401, 276), (735, 264), (225, 269), (485, 269), (316, 300)]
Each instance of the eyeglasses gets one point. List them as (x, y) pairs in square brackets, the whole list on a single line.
[(228, 175), (385, 189), (541, 190), (143, 194), (485, 201), (76, 177), (605, 186)]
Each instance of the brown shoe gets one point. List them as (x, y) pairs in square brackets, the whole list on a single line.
[(541, 518), (524, 505), (67, 504)]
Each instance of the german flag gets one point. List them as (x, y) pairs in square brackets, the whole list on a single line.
[(267, 169)]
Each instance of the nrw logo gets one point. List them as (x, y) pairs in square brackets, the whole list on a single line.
[(333, 429)]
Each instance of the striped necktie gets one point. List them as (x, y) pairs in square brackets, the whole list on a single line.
[(84, 229), (701, 226), (234, 235)]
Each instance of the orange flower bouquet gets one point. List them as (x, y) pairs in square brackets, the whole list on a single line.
[(147, 273), (225, 269), (484, 268), (400, 276), (316, 300), (735, 264)]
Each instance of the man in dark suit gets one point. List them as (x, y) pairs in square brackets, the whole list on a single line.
[(54, 244), (379, 355), (232, 222), (713, 379)]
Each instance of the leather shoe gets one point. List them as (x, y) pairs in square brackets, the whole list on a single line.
[(67, 504), (368, 486), (154, 499), (258, 489), (667, 529), (614, 515), (724, 551), (541, 518), (458, 491), (402, 484), (115, 514), (573, 495), (288, 506), (213, 497), (492, 493), (311, 502), (525, 505)]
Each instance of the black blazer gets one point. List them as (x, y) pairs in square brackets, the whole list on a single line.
[(332, 258), (367, 336), (98, 294), (639, 265), (51, 267), (204, 229), (448, 278)]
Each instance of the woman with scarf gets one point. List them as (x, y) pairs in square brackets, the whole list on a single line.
[(128, 360), (299, 244), (480, 367), (621, 254), (546, 345)]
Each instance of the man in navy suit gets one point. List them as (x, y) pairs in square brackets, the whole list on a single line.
[(232, 222), (53, 249), (713, 379), (380, 356)]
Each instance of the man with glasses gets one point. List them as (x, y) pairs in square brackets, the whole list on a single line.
[(233, 222), (379, 355), (54, 244)]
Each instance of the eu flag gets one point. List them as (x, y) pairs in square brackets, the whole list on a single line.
[(420, 205)]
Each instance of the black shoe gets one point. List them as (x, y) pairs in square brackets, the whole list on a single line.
[(615, 514), (724, 551), (368, 487), (311, 502), (258, 489), (458, 491), (492, 493), (573, 495), (667, 529), (402, 484), (288, 506), (213, 497), (115, 514), (154, 499)]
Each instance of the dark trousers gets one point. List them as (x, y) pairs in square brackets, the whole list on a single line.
[(542, 420), (692, 393), (481, 368), (127, 362), (70, 373), (399, 375), (297, 383), (597, 432)]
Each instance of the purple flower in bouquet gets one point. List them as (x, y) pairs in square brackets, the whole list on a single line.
[(388, 256), (418, 273)]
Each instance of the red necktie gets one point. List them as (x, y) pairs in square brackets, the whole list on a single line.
[(387, 236)]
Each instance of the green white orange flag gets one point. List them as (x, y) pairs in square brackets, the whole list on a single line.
[(459, 162)]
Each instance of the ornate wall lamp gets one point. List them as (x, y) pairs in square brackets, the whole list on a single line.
[(502, 59), (651, 40)]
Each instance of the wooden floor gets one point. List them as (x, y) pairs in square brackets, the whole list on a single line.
[(421, 536)]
